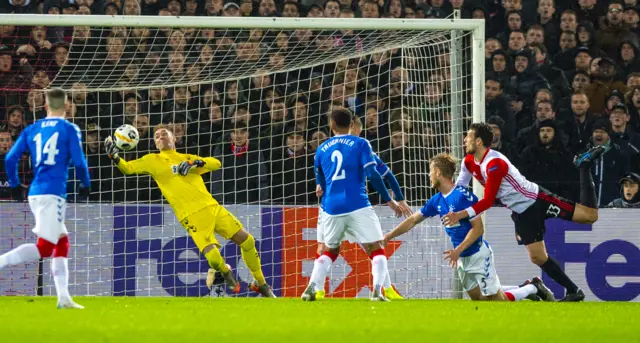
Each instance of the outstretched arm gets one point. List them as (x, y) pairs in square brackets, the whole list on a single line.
[(405, 226)]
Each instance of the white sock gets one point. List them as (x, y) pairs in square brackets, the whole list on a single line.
[(523, 292), (321, 267), (60, 271), (509, 288), (387, 280), (24, 253), (379, 270)]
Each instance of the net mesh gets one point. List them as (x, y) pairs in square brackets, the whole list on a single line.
[(258, 101)]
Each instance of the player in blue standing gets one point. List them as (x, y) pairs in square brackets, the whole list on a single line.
[(53, 143), (342, 164), (471, 255)]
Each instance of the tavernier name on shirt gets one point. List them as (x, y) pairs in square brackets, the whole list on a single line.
[(333, 142)]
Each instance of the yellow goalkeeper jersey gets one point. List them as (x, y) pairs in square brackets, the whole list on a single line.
[(185, 194)]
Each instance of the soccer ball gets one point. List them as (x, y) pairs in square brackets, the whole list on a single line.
[(126, 137)]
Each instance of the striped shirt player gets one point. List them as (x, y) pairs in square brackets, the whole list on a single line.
[(471, 254), (530, 204), (342, 165), (53, 143)]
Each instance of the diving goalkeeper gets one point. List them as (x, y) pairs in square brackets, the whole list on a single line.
[(178, 176)]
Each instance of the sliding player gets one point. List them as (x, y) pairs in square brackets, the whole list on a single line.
[(340, 165), (387, 175), (178, 176), (53, 143), (471, 254), (530, 203)]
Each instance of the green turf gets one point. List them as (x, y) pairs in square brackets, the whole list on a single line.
[(111, 319)]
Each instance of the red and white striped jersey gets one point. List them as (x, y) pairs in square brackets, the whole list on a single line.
[(501, 180)]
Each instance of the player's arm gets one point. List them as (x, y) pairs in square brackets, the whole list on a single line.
[(392, 181), (405, 226), (320, 180), (12, 159), (464, 177), (477, 230), (78, 157), (497, 169), (142, 165), (199, 165)]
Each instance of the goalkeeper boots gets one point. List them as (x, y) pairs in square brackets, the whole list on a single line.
[(229, 279), (377, 294), (543, 291), (585, 159), (265, 290), (574, 297), (392, 294), (68, 303), (310, 293)]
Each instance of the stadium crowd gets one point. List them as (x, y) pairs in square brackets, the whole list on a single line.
[(560, 76)]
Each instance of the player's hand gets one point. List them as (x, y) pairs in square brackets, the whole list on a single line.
[(387, 238), (84, 191), (319, 191), (406, 210), (111, 149), (17, 194), (184, 167), (451, 218), (393, 205), (452, 256)]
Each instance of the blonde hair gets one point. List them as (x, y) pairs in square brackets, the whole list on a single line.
[(446, 163)]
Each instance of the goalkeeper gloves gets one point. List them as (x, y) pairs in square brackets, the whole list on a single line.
[(112, 150), (184, 167)]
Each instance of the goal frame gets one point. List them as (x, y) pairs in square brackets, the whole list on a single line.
[(476, 27)]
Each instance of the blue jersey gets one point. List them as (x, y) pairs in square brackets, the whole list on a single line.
[(458, 199), (52, 143), (340, 164), (380, 166)]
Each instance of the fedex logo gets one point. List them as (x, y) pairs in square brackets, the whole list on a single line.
[(598, 260), (283, 251)]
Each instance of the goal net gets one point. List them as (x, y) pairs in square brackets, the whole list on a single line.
[(254, 93)]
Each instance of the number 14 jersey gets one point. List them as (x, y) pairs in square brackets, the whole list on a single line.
[(341, 161), (52, 143)]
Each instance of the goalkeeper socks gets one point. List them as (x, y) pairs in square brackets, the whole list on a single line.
[(60, 271), (379, 267), (321, 267), (252, 259), (552, 268), (216, 261), (587, 189), (24, 253), (521, 292)]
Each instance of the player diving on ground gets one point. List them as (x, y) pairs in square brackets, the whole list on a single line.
[(384, 171), (471, 254), (180, 181), (53, 143)]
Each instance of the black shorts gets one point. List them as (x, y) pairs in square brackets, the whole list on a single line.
[(530, 224)]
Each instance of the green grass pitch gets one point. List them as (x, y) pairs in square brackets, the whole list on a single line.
[(116, 319)]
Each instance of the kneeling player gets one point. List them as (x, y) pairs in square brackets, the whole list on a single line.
[(471, 255), (179, 180)]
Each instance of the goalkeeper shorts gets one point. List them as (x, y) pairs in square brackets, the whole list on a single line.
[(202, 225)]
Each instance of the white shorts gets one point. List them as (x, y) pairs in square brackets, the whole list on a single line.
[(360, 226), (479, 270), (319, 227), (49, 211)]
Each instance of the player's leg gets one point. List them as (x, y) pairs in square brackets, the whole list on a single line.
[(586, 211), (364, 225), (478, 271), (389, 290), (60, 271), (538, 255), (333, 232), (320, 293)]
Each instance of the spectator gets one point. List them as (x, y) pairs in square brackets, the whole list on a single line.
[(502, 67), (589, 11), (142, 124), (292, 178), (628, 60), (577, 123), (100, 166), (6, 142), (603, 84), (243, 178), (374, 132), (564, 58), (555, 76), (610, 167), (528, 135), (587, 38), (548, 153), (14, 122), (548, 24), (498, 143), (490, 46), (267, 8), (498, 105), (231, 9), (317, 138), (623, 135), (613, 31), (514, 23), (629, 195), (516, 42), (527, 80), (301, 121)]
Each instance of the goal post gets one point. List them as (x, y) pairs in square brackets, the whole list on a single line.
[(254, 93)]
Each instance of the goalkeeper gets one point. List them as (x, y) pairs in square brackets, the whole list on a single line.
[(178, 176)]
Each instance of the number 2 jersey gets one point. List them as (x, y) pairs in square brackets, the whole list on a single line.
[(340, 162), (53, 144), (457, 200)]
